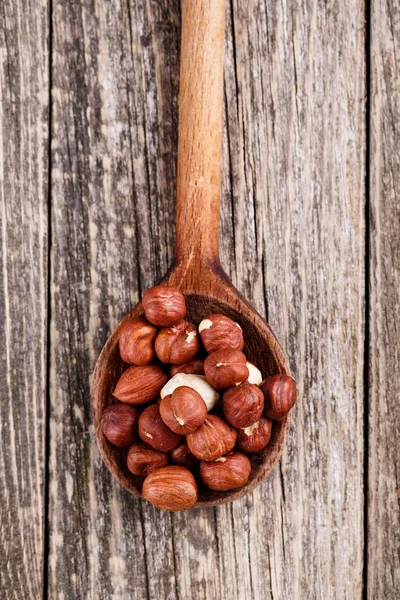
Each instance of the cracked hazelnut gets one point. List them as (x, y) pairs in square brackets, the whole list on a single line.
[(226, 368), (138, 385), (182, 456), (177, 344), (212, 439), (243, 405), (170, 488), (279, 396), (254, 374), (163, 305), (184, 410), (220, 332), (143, 459), (154, 431), (119, 424), (226, 473), (254, 438), (197, 382), (193, 367), (136, 341)]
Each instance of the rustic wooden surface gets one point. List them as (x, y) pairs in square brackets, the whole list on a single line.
[(301, 235)]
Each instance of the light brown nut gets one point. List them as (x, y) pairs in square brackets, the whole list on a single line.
[(119, 424), (170, 488), (182, 456), (226, 473), (138, 385), (154, 431), (136, 341), (220, 332), (226, 368), (177, 344), (163, 305), (254, 438), (193, 367), (143, 459), (184, 410), (212, 439), (279, 396), (243, 404)]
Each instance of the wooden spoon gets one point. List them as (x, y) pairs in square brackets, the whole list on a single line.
[(196, 269)]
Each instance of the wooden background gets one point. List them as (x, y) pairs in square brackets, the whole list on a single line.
[(310, 235)]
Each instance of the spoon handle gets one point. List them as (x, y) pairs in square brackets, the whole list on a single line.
[(200, 132)]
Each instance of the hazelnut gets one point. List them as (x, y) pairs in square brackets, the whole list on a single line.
[(177, 344), (136, 341), (164, 306), (143, 459), (243, 405), (138, 385), (194, 367), (279, 396), (254, 374), (119, 424), (226, 473), (220, 332), (182, 456), (197, 382), (154, 431), (254, 438), (184, 410), (212, 439), (170, 488), (226, 368)]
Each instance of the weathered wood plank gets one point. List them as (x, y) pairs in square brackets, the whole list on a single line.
[(292, 237), (24, 101), (383, 574)]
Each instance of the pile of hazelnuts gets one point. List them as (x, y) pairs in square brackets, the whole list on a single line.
[(178, 429)]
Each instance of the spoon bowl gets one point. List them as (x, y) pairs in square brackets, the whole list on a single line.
[(196, 269)]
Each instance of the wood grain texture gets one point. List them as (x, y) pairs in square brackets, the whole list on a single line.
[(24, 101), (292, 238), (384, 348)]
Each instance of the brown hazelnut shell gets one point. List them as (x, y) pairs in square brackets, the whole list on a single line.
[(193, 367), (183, 457)]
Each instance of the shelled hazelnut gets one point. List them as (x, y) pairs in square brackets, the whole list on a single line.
[(119, 424), (254, 438), (171, 488), (143, 459), (219, 332), (226, 368), (154, 431), (180, 418), (226, 473), (136, 341), (184, 410), (243, 405), (177, 344), (279, 396)]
